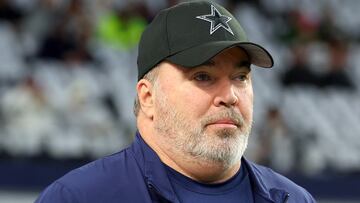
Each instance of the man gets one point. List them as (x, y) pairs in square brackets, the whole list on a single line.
[(194, 114)]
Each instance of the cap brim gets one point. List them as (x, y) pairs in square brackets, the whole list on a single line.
[(198, 55)]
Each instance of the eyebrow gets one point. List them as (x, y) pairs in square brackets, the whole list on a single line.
[(244, 63)]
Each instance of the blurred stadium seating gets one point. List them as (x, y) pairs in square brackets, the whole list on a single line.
[(61, 110)]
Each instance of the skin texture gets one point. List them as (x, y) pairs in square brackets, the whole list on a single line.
[(198, 119)]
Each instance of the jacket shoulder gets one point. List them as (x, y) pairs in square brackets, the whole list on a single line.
[(115, 177), (269, 180)]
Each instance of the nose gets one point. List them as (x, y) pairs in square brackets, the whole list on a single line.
[(226, 95)]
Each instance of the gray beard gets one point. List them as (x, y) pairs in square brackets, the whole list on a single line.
[(226, 150), (225, 146)]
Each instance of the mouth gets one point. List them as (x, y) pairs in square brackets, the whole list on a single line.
[(224, 123)]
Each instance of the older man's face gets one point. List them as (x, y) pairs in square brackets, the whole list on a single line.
[(206, 112)]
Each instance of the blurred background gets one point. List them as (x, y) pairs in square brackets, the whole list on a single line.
[(68, 75)]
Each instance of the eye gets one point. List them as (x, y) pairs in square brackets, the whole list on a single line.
[(242, 77), (202, 77)]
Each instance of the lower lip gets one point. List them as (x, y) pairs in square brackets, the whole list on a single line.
[(223, 125)]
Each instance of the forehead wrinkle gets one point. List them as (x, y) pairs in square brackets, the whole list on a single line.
[(211, 63), (243, 65)]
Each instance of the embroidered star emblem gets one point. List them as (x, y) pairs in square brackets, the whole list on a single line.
[(217, 20)]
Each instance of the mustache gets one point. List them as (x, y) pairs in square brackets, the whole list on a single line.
[(229, 114)]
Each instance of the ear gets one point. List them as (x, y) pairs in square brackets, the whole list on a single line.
[(146, 98)]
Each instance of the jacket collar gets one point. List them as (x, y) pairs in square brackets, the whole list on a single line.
[(153, 169), (156, 176), (262, 187)]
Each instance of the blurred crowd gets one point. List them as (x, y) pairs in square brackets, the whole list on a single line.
[(68, 75)]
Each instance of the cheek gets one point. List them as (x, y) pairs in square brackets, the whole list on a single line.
[(246, 102), (194, 103)]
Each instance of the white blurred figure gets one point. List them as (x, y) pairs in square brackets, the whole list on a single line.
[(29, 119), (276, 147)]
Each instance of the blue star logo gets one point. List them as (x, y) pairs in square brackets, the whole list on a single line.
[(217, 20)]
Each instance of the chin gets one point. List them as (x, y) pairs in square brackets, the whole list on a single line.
[(225, 149), (228, 133)]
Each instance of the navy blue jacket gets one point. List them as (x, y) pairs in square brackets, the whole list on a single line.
[(136, 175)]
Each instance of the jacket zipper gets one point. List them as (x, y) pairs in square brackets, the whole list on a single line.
[(287, 195), (157, 194)]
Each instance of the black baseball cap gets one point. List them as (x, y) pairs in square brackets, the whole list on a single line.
[(191, 33)]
